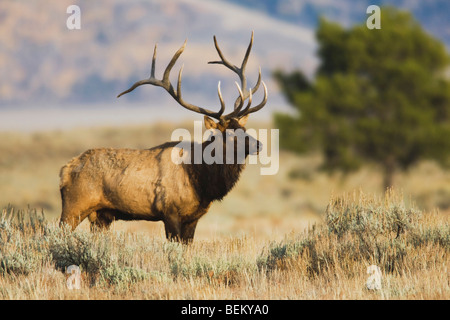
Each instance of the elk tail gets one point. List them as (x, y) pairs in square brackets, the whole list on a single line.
[(64, 175)]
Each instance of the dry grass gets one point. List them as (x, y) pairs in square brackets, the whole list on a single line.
[(253, 245), (327, 262)]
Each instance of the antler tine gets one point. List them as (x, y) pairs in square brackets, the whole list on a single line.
[(152, 73), (237, 108), (241, 97), (223, 61), (151, 80), (256, 87), (134, 86), (172, 63), (179, 82), (222, 103), (247, 54), (249, 110), (249, 103)]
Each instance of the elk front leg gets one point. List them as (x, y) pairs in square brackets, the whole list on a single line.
[(187, 231), (172, 226)]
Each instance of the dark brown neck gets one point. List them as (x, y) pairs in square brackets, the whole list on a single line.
[(213, 181)]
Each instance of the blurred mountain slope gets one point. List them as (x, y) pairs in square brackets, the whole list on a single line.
[(43, 63)]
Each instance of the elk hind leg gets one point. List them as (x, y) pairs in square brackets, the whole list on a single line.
[(73, 217)]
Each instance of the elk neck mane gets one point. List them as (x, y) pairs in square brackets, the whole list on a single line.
[(213, 181)]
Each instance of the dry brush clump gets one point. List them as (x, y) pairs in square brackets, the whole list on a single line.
[(29, 243), (361, 231), (102, 256), (21, 252), (224, 267)]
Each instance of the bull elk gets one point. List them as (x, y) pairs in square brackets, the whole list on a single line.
[(125, 184)]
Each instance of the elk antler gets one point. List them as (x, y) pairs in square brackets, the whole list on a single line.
[(176, 94), (246, 94)]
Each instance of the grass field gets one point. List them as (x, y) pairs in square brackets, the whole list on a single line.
[(327, 262), (300, 234)]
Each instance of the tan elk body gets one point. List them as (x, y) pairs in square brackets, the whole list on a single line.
[(126, 184)]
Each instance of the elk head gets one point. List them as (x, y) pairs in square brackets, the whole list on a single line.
[(233, 139), (232, 125)]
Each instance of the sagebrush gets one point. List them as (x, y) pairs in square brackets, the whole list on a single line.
[(328, 260)]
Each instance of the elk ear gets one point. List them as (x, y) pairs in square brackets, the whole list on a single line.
[(243, 121), (209, 123)]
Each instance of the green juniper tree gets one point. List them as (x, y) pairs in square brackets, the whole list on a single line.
[(378, 96)]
